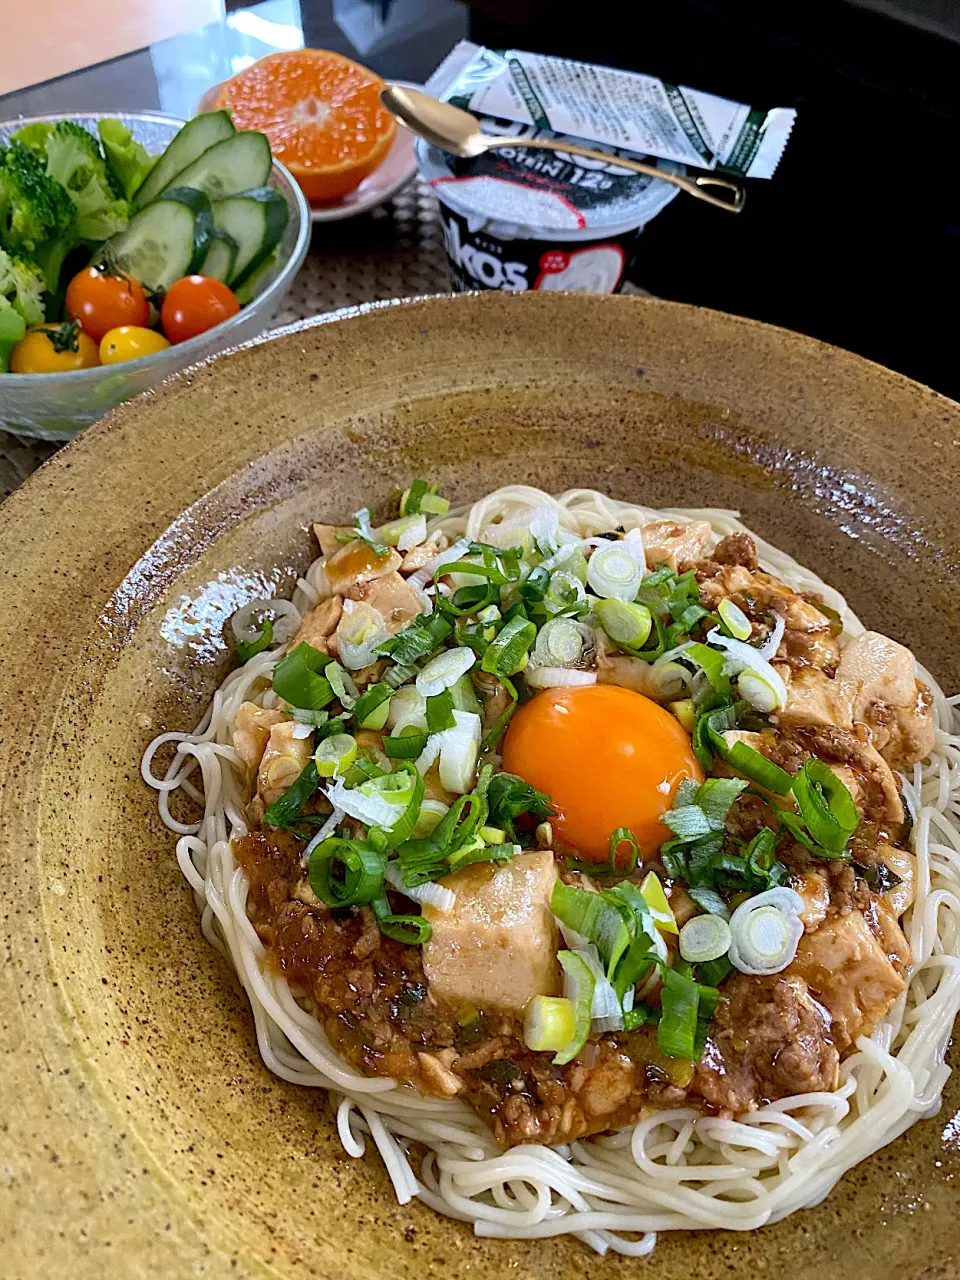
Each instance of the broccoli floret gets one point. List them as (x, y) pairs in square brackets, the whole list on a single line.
[(21, 287), (74, 160), (33, 208), (34, 137), (127, 159)]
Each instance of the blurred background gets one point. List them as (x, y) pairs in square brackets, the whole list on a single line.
[(855, 240)]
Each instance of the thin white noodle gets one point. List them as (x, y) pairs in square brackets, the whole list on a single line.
[(676, 1169)]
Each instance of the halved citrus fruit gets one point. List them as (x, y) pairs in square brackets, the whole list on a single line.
[(321, 112)]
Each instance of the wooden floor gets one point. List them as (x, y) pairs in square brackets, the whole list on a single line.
[(47, 38)]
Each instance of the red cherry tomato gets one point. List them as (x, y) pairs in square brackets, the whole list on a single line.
[(103, 300), (195, 304)]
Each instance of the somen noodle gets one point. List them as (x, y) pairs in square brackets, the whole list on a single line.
[(677, 1168)]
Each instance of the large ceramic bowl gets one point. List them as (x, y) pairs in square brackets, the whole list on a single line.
[(140, 1134), (55, 406)]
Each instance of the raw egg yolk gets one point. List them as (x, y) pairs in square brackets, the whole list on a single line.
[(607, 757)]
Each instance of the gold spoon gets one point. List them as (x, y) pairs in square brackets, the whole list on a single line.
[(459, 132)]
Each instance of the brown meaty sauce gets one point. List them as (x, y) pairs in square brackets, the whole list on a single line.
[(770, 1038), (373, 1001)]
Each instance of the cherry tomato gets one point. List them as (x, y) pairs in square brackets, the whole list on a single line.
[(102, 301), (195, 304), (54, 348), (129, 342)]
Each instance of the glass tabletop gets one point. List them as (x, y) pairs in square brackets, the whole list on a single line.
[(399, 39)]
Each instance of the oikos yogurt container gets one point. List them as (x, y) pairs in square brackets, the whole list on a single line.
[(524, 218)]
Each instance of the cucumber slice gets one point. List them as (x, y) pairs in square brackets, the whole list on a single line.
[(202, 225), (196, 137), (222, 254), (164, 240), (236, 164), (256, 220)]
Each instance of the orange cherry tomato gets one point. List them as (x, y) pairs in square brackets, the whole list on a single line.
[(129, 342), (195, 304), (54, 348), (102, 301)]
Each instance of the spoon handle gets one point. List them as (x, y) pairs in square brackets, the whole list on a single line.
[(697, 186)]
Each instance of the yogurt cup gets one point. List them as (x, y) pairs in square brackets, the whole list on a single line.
[(524, 218)]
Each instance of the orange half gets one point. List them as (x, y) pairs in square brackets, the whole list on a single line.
[(321, 112)]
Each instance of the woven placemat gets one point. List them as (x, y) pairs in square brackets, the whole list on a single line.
[(395, 251)]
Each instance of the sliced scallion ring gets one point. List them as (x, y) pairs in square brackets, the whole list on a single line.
[(762, 693), (335, 755), (562, 642), (765, 931), (549, 1023), (735, 620), (563, 592), (346, 873), (613, 573), (625, 623), (705, 938)]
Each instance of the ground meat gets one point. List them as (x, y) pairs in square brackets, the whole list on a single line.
[(736, 548), (769, 1039)]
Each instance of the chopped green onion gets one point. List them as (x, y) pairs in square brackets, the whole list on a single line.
[(686, 1010), (406, 745), (391, 785), (431, 813), (303, 715), (411, 931), (765, 931), (825, 805), (535, 586), (467, 600), (565, 591), (434, 505), (346, 873), (289, 806), (708, 730), (612, 572), (494, 835), (465, 696), (623, 622), (593, 917), (341, 682), (509, 797), (579, 984), (444, 670), (297, 679), (748, 761), (249, 649), (713, 972), (423, 497), (549, 1023), (709, 900), (499, 726), (625, 865), (734, 619), (712, 665), (335, 755), (704, 938), (405, 533), (656, 899), (507, 654), (563, 642), (424, 634), (459, 749), (373, 706), (686, 712), (440, 712)]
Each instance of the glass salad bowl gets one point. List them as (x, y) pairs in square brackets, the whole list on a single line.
[(56, 406)]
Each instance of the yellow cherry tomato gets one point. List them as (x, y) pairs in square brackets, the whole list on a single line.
[(129, 342), (54, 348)]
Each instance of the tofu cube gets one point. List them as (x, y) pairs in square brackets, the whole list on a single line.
[(498, 946)]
